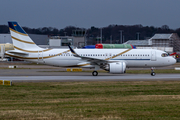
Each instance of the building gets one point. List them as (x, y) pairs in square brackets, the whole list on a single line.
[(166, 42), (60, 41), (78, 40), (38, 39), (5, 38), (64, 41)]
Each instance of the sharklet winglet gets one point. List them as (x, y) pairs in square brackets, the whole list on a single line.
[(73, 52)]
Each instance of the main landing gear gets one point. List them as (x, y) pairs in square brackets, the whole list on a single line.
[(94, 73), (152, 71)]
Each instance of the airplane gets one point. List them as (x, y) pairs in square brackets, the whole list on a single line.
[(114, 61)]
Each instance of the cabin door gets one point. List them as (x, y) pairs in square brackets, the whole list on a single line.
[(40, 55), (153, 55)]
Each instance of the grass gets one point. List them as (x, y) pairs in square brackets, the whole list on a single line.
[(91, 100)]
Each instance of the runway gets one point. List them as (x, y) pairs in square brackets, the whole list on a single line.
[(123, 77), (39, 73)]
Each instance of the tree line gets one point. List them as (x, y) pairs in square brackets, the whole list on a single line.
[(111, 32)]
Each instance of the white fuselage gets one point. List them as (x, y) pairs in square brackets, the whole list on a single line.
[(132, 58)]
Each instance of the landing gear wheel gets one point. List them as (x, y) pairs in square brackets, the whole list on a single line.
[(94, 73), (153, 73)]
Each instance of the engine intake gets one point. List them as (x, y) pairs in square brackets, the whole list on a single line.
[(117, 68)]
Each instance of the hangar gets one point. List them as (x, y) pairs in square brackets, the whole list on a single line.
[(166, 42)]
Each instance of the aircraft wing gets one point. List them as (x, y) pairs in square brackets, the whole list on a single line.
[(93, 60), (89, 59)]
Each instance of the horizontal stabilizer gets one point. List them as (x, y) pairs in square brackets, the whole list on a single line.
[(19, 53)]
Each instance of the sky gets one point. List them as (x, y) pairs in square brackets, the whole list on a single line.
[(88, 13)]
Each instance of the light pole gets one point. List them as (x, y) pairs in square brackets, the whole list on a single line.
[(65, 33), (120, 36), (4, 39), (111, 39), (138, 35), (85, 38), (123, 39), (101, 35)]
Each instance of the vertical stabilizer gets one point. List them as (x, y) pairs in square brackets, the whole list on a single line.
[(20, 38)]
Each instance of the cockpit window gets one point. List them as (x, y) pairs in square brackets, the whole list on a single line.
[(164, 55)]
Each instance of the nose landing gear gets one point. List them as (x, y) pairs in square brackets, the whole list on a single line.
[(94, 73), (152, 71)]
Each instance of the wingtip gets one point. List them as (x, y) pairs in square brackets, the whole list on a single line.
[(73, 52), (71, 49)]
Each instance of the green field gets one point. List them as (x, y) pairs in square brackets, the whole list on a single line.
[(146, 100)]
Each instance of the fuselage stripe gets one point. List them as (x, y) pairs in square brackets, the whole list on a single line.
[(38, 57), (131, 59), (118, 54), (108, 58), (18, 32), (31, 51)]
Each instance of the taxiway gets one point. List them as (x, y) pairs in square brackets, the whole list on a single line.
[(124, 77), (37, 73)]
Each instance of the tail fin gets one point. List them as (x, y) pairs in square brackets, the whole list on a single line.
[(20, 38)]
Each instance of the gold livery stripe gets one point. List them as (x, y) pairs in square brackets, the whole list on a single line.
[(82, 65), (22, 40), (21, 57), (118, 54), (18, 32), (61, 54), (31, 51)]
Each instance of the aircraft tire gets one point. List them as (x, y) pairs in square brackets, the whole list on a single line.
[(153, 74), (94, 73)]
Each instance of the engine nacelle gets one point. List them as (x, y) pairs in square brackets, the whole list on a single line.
[(117, 68)]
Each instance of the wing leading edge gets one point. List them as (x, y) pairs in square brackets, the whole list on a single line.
[(95, 60)]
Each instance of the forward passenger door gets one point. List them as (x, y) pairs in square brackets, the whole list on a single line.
[(153, 55)]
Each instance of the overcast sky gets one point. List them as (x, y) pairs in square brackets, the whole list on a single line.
[(87, 13)]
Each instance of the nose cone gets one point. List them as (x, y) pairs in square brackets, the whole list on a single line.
[(173, 61)]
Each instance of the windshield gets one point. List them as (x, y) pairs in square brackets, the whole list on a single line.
[(164, 54)]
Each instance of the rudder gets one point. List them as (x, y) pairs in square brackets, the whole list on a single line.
[(20, 38)]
